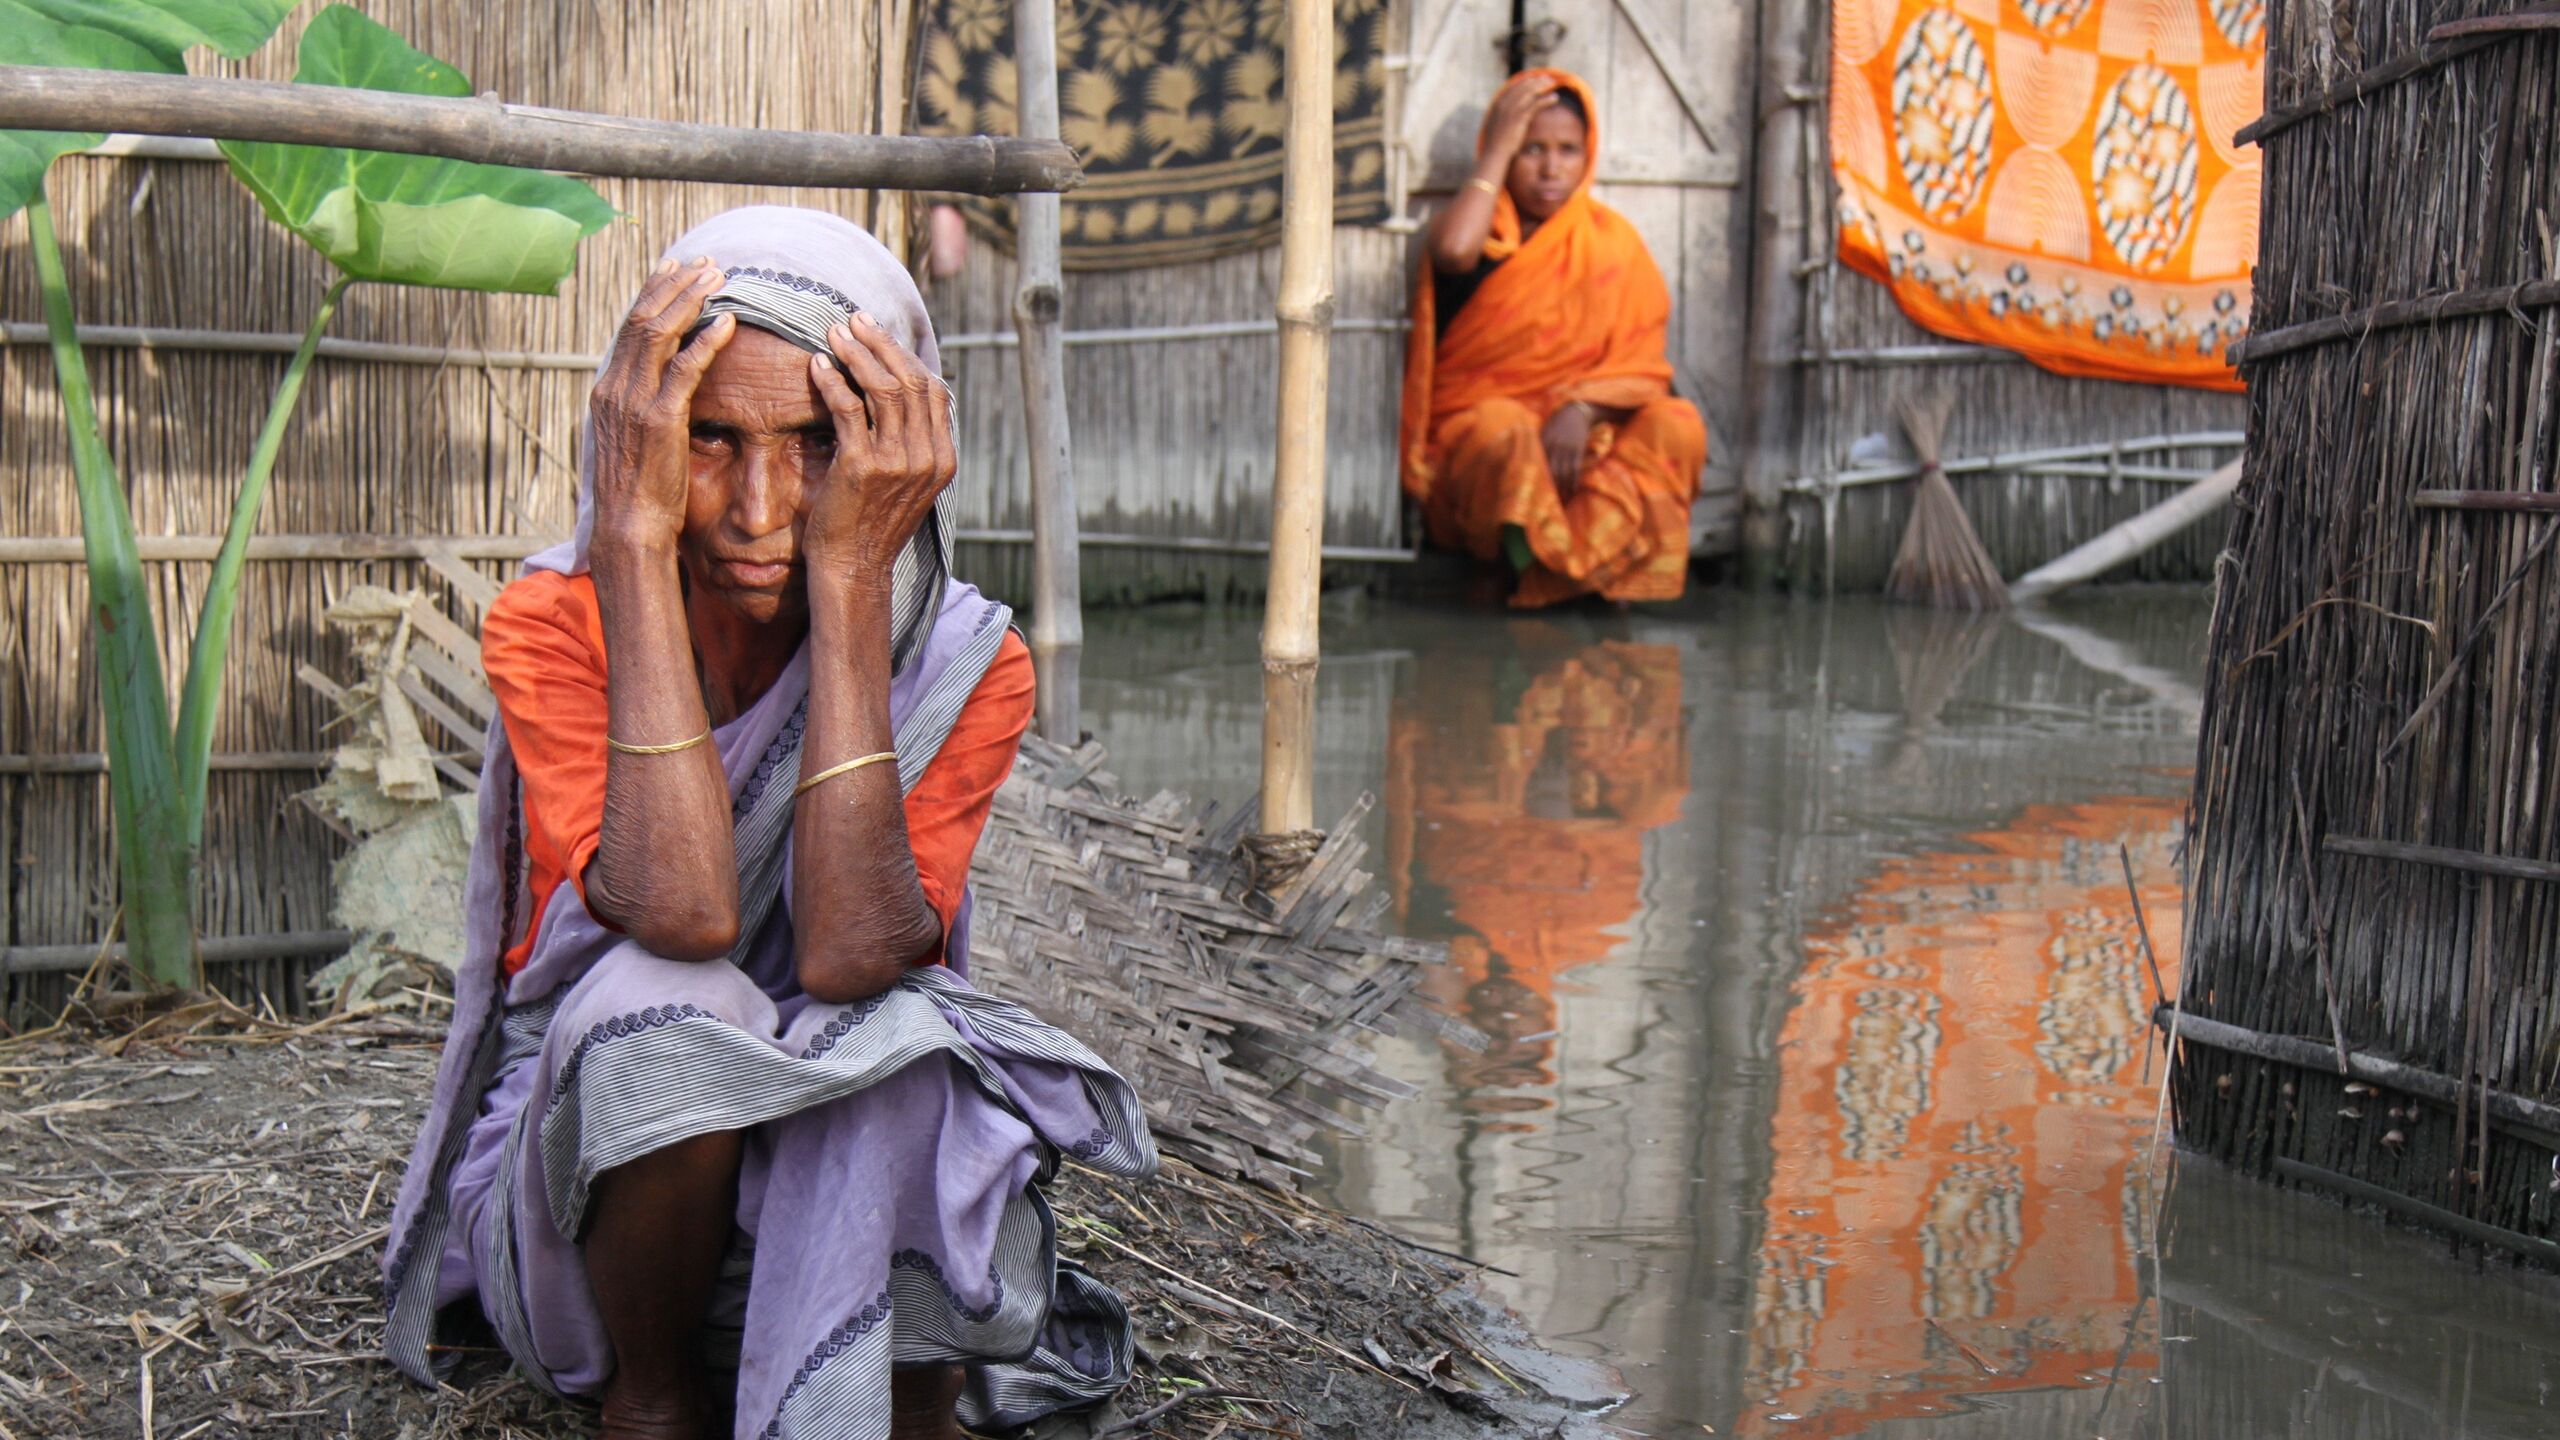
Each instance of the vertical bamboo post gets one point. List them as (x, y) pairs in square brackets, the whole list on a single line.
[(1780, 242), (1305, 312), (1057, 600)]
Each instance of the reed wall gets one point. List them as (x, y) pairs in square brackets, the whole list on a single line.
[(2384, 672), (1861, 356), (465, 447), (1172, 437)]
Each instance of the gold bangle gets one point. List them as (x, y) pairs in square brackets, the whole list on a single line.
[(1488, 186), (833, 771), (657, 749)]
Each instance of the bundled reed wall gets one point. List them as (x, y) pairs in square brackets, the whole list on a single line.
[(458, 448), (2384, 673)]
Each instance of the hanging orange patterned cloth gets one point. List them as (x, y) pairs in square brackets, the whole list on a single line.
[(2056, 177), (1577, 311)]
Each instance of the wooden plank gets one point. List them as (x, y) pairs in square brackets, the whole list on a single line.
[(1685, 198), (2355, 87), (1304, 308), (66, 549), (464, 686), (2421, 1211), (2531, 502), (2519, 22), (42, 98), (2372, 1069), (216, 950), (2509, 867), (90, 762), (470, 584), (1455, 66), (473, 738), (1658, 42), (1057, 586), (2116, 545), (2396, 314), (440, 631)]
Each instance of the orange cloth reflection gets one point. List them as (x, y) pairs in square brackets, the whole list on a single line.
[(1960, 1128), (1528, 815)]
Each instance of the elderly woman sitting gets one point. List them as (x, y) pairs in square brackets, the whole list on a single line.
[(717, 1095), (1539, 424)]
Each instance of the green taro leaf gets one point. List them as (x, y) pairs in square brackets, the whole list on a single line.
[(148, 35), (408, 218)]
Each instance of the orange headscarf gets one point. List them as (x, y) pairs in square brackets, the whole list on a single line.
[(1575, 312)]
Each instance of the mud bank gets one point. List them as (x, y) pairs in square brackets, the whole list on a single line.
[(189, 1230)]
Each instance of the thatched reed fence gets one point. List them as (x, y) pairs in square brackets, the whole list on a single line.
[(1170, 377), (464, 432), (2374, 870), (2066, 458)]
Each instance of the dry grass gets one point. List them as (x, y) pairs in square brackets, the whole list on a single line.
[(191, 1209)]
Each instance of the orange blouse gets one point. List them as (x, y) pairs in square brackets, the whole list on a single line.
[(543, 646)]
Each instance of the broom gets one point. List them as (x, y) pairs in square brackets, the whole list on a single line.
[(1941, 562)]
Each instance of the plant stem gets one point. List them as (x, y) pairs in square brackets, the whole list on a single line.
[(212, 647), (155, 856)]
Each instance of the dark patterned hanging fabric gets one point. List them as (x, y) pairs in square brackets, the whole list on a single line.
[(1175, 107)]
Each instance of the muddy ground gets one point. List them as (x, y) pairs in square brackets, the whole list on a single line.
[(190, 1223)]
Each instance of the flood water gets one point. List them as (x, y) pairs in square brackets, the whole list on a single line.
[(1816, 1096)]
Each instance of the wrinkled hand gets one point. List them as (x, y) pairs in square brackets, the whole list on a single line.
[(1567, 432), (893, 452), (642, 408), (1507, 119)]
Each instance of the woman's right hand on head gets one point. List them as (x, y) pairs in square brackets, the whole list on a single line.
[(642, 407), (894, 451), (1507, 120)]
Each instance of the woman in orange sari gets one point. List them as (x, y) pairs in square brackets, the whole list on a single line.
[(1539, 424)]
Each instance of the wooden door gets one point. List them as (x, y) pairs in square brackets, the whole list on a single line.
[(1674, 79)]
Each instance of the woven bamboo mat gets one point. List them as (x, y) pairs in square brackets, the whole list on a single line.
[(1246, 1020)]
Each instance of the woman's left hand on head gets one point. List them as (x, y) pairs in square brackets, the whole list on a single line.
[(893, 451)]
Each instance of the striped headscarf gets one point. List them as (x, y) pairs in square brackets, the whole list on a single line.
[(796, 272)]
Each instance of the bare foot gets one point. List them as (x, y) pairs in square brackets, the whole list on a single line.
[(655, 1408), (921, 1401)]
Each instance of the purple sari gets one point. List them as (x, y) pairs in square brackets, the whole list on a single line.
[(890, 1210)]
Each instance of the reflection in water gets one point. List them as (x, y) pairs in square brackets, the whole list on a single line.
[(2296, 1318), (1517, 801), (1817, 1097), (1959, 1127)]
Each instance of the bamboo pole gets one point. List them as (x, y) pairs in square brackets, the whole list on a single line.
[(1305, 310), (2131, 538), (212, 950), (1057, 599), (492, 132), (277, 342), (1779, 243), (65, 549)]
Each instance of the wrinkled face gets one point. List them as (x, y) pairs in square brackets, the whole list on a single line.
[(762, 441), (1550, 163)]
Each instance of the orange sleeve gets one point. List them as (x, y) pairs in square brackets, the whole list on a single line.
[(543, 646), (948, 806)]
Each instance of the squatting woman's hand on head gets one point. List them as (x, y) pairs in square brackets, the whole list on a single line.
[(1507, 119), (893, 453), (641, 408)]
